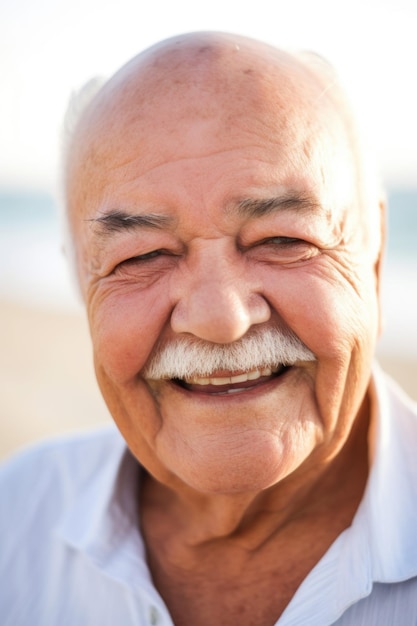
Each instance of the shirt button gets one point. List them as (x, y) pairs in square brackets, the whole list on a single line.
[(153, 616)]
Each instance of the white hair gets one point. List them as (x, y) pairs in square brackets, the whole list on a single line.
[(186, 357), (370, 190), (78, 103)]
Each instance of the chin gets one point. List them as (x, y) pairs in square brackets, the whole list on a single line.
[(250, 466)]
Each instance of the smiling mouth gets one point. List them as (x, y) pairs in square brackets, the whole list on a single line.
[(231, 384)]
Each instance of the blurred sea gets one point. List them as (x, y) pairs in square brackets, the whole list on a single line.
[(33, 269)]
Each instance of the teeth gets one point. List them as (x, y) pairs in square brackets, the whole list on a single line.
[(220, 381), (199, 381), (227, 380), (242, 378)]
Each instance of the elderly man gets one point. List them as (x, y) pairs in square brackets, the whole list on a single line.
[(227, 236)]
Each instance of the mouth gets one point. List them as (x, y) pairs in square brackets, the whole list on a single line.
[(231, 383)]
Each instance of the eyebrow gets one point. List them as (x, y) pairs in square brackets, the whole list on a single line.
[(251, 207), (115, 221), (118, 221)]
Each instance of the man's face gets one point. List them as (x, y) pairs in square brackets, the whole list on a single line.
[(211, 221)]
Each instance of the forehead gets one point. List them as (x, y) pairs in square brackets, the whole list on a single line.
[(220, 104)]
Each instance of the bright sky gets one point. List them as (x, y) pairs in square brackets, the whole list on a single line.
[(50, 47)]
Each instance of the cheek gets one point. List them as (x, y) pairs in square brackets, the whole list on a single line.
[(124, 329), (339, 324), (330, 314)]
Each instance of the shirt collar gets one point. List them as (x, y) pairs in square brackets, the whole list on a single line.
[(102, 521), (388, 511), (380, 544)]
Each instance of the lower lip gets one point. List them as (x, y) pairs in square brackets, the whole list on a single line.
[(259, 385)]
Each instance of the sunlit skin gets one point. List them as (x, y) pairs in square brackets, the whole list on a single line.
[(239, 175)]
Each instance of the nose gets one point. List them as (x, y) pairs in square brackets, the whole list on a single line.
[(216, 301)]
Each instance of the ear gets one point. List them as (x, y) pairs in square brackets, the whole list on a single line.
[(379, 262)]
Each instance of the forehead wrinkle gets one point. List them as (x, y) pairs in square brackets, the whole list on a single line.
[(116, 221)]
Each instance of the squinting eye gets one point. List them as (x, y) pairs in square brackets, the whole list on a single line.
[(284, 240), (140, 261), (285, 250), (142, 257)]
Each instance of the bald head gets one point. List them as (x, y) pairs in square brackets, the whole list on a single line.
[(170, 100), (194, 66)]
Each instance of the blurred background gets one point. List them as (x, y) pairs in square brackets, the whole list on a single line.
[(48, 49)]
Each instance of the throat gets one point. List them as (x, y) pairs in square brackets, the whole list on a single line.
[(237, 582)]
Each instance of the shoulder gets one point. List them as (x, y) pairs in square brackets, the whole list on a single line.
[(64, 450), (399, 406), (50, 473), (397, 432), (57, 484), (388, 603)]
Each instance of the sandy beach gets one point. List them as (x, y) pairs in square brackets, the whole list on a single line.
[(46, 375), (47, 380)]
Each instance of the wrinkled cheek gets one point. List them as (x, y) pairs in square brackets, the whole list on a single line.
[(123, 335), (118, 358), (136, 415), (118, 354), (331, 319), (339, 325)]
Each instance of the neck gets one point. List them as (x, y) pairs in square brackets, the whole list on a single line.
[(253, 549), (316, 491)]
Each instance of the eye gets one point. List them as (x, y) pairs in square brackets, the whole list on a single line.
[(285, 250), (154, 260), (283, 241), (143, 257)]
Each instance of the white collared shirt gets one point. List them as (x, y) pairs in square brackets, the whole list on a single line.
[(71, 553)]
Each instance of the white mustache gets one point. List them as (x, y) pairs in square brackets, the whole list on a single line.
[(190, 358)]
